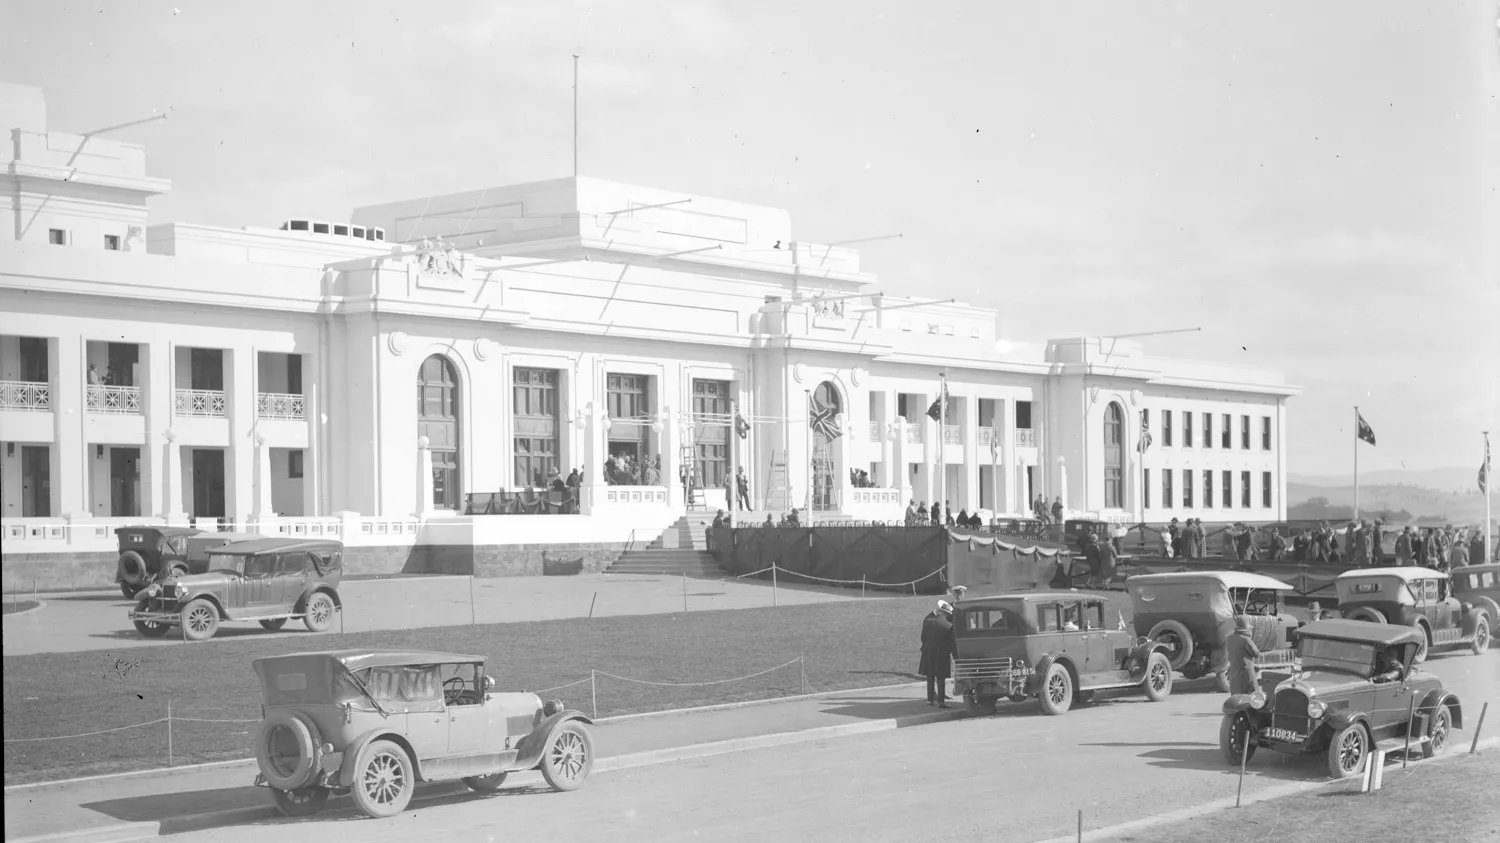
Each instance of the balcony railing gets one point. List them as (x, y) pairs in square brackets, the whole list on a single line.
[(953, 434), (280, 405), (115, 400), (200, 403), (1025, 437), (25, 395), (984, 437), (874, 431)]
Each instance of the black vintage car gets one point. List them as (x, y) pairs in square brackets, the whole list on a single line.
[(148, 553), (1356, 685)]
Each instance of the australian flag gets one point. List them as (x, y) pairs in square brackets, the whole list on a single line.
[(741, 426), (1484, 469), (935, 412), (1145, 435), (822, 418), (1366, 432)]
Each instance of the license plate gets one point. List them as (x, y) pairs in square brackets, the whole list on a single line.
[(1283, 735)]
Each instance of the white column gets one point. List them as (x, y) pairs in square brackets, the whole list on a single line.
[(670, 437), (1007, 433), (841, 484), (969, 429), (893, 470), (239, 400), (424, 479), (172, 479), (595, 428), (263, 510), (900, 457), (1062, 487), (69, 463)]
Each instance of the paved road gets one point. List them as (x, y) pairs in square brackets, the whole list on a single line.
[(1018, 776), (96, 621)]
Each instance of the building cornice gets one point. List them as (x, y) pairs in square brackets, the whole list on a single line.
[(146, 185)]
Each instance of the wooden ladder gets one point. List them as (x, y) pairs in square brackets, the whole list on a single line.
[(778, 494)]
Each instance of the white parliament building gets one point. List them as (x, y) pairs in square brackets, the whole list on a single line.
[(178, 371)]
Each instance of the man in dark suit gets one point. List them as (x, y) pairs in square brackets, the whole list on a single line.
[(938, 650)]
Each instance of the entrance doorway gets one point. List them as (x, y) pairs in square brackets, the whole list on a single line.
[(124, 482), (36, 481), (208, 483)]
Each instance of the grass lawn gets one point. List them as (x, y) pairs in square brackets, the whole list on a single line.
[(1452, 801), (15, 606), (855, 644)]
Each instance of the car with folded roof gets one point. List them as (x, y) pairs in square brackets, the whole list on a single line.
[(1058, 647), (1357, 684), (1478, 587), (1193, 612), (1418, 597), (374, 724), (148, 553), (267, 580)]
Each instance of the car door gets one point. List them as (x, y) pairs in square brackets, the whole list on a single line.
[(1072, 639), (259, 571), (1390, 702), (471, 723), (286, 584)]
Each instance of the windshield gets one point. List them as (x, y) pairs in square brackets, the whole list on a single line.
[(226, 562), (1331, 654)]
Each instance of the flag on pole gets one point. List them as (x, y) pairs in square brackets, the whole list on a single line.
[(1484, 469), (824, 419), (741, 426), (1145, 435), (994, 443), (1366, 432), (938, 408)]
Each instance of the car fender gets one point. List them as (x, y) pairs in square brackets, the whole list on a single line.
[(1469, 621), (1141, 656), (529, 749), (1238, 703), (1490, 607), (308, 592), (1034, 681), (1437, 697), (1345, 717), (183, 600), (356, 746)]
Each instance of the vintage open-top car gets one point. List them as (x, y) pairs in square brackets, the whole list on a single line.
[(1479, 587), (148, 554), (1357, 684), (1192, 613), (270, 580), (1056, 646), (1416, 597), (374, 723)]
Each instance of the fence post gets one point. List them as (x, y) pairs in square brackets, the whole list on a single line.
[(1244, 759), (861, 586), (1474, 746), (472, 620), (591, 604), (1080, 825), (169, 732), (773, 582), (594, 693), (684, 592), (802, 659)]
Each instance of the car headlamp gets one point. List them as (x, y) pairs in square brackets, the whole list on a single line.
[(552, 707), (1316, 708), (1258, 699)]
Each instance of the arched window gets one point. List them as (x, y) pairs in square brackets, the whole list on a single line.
[(437, 419), (1114, 457)]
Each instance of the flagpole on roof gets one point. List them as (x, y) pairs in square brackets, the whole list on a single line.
[(1484, 486), (942, 445), (1356, 462)]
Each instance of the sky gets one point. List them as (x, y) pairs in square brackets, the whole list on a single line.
[(1308, 183)]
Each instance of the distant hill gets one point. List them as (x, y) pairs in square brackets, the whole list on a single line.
[(1421, 504), (1454, 479)]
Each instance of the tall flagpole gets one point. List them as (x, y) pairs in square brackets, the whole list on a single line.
[(1356, 463), (1489, 482), (943, 444), (807, 397), (575, 115)]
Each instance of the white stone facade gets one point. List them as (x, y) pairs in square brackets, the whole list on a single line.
[(246, 374)]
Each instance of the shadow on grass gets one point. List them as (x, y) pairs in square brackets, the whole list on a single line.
[(1209, 759)]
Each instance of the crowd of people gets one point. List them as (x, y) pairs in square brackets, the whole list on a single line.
[(918, 515), (622, 469)]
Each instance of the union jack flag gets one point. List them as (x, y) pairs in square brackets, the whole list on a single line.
[(822, 418), (1145, 434), (741, 426), (1484, 469)]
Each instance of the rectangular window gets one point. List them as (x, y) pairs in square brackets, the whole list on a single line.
[(1187, 485), (710, 399), (1228, 487), (1166, 488), (1187, 430), (1226, 432), (57, 237), (294, 464), (1265, 433), (1245, 433), (1208, 430), (1245, 489), (1166, 428), (535, 426), (1146, 487), (1208, 490), (1023, 415), (1146, 421), (112, 242), (1046, 618), (629, 398), (901, 406), (1265, 489)]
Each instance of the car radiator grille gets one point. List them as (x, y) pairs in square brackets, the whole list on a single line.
[(1290, 711)]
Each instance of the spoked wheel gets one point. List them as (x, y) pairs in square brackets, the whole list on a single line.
[(149, 629), (320, 611), (1158, 682), (1234, 733), (485, 784), (1481, 640), (1422, 648), (302, 802), (1057, 690), (200, 620), (1348, 751), (1438, 733), (383, 780), (569, 757)]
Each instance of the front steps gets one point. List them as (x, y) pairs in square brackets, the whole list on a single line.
[(682, 548)]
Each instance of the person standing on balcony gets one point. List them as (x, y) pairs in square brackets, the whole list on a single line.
[(937, 513), (1174, 533), (911, 512), (94, 379), (742, 484)]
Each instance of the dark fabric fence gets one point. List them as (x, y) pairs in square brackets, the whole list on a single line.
[(877, 557)]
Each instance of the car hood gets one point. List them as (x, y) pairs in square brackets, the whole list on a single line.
[(1326, 683), (201, 582)]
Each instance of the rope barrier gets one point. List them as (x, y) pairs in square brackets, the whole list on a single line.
[(560, 687), (87, 734), (699, 684), (871, 583)]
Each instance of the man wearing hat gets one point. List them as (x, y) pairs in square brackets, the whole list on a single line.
[(1242, 653), (938, 650), (1316, 612)]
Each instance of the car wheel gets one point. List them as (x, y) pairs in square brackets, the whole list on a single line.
[(273, 624), (1438, 733), (1178, 640), (1367, 614), (149, 629), (569, 757), (485, 784), (1423, 647), (302, 802), (1348, 751), (287, 750), (130, 591), (320, 611), (1481, 640), (383, 779), (200, 620), (1158, 684), (1057, 690), (1234, 739)]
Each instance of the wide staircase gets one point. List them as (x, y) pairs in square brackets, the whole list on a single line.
[(682, 548)]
